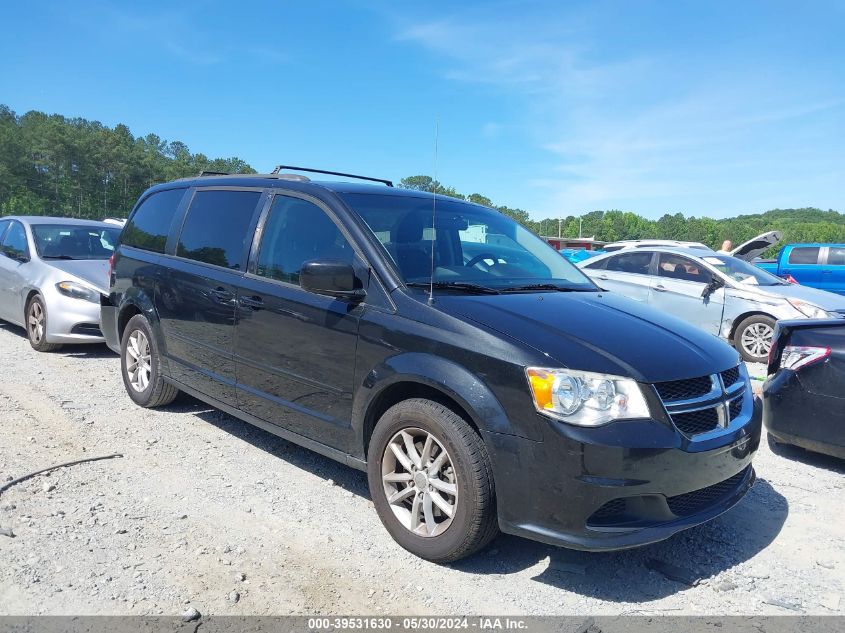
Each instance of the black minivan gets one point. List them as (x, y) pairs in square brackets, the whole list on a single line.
[(481, 380)]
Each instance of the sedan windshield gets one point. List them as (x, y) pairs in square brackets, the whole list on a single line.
[(74, 241), (742, 271), (475, 249)]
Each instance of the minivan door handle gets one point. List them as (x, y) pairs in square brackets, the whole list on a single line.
[(256, 303), (223, 295)]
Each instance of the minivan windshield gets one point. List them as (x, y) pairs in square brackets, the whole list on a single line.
[(475, 248), (74, 241), (743, 272)]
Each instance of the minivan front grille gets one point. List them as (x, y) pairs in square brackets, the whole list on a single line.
[(696, 422), (684, 389), (700, 405), (692, 502)]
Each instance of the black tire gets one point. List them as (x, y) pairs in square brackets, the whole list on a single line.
[(474, 522), (157, 392), (757, 321), (36, 310)]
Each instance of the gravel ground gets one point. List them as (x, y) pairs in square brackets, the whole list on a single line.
[(207, 512)]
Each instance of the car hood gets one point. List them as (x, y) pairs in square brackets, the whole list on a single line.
[(821, 298), (92, 271), (598, 331)]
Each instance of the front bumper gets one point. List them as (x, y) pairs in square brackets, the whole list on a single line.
[(71, 320), (794, 415), (623, 485)]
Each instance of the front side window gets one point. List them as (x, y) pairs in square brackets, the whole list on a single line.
[(805, 255), (216, 230), (150, 224), (683, 269), (62, 241), (836, 256), (634, 262), (462, 243), (298, 231), (14, 242)]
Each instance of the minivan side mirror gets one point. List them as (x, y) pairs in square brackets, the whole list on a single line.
[(712, 287), (331, 277)]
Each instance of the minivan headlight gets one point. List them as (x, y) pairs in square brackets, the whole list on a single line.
[(78, 291), (808, 309), (585, 398)]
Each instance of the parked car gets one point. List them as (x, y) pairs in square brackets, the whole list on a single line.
[(745, 251), (480, 380), (718, 293), (819, 266), (52, 274), (803, 395)]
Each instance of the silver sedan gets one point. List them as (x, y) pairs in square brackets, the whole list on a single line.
[(52, 273), (719, 293)]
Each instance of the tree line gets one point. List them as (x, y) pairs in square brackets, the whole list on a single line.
[(54, 165)]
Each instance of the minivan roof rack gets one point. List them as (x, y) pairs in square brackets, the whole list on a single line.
[(207, 172), (279, 168)]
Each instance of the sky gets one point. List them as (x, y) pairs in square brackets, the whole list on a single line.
[(709, 108)]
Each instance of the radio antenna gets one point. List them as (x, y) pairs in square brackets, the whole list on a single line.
[(433, 210)]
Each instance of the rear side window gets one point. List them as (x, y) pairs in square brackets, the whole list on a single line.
[(298, 231), (216, 230), (836, 256), (631, 262), (804, 255), (600, 264), (150, 224)]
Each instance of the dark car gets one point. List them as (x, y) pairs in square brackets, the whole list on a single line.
[(481, 380), (804, 395)]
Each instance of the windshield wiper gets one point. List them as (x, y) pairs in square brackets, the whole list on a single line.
[(454, 285), (556, 287)]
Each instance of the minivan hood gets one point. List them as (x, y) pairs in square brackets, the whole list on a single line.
[(599, 332), (821, 298), (92, 271)]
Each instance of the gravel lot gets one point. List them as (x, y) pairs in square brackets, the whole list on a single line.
[(205, 511)]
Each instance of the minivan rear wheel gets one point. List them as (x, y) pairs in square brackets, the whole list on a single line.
[(753, 338), (431, 481), (140, 365)]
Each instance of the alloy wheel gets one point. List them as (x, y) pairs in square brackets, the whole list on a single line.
[(420, 482), (138, 365), (35, 322), (757, 339)]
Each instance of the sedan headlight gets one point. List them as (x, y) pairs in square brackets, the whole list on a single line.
[(809, 310), (584, 398), (78, 291)]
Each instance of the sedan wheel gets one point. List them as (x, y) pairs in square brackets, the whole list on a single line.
[(754, 337), (419, 482), (138, 368), (36, 322)]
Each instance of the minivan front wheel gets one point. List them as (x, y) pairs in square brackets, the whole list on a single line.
[(140, 366), (431, 481), (753, 338)]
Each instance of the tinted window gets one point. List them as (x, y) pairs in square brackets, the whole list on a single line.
[(14, 243), (150, 224), (298, 231), (804, 255), (55, 241), (4, 224), (596, 265), (683, 269), (836, 256), (216, 230), (630, 262)]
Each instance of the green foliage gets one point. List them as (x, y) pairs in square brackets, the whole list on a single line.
[(53, 165)]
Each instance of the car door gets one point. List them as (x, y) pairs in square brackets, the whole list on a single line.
[(833, 271), (627, 273), (803, 263), (295, 350), (195, 297), (14, 261), (677, 290)]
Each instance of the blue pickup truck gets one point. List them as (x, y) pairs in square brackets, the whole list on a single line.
[(817, 265)]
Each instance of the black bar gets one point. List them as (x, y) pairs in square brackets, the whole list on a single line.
[(389, 183)]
